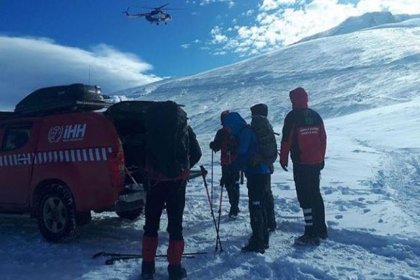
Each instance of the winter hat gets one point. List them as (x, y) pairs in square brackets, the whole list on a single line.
[(223, 115), (299, 98), (259, 109)]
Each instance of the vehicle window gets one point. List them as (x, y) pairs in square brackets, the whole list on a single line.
[(15, 138)]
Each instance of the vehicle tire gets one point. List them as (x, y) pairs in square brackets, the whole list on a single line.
[(56, 213), (130, 215)]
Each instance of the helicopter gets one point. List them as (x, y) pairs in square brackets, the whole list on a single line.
[(156, 16)]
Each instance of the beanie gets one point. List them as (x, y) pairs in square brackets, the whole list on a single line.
[(259, 109)]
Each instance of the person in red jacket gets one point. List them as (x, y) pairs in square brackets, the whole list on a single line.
[(305, 138), (225, 143)]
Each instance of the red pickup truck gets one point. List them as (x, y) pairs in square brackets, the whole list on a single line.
[(60, 167)]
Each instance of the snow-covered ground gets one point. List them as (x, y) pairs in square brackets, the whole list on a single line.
[(366, 85)]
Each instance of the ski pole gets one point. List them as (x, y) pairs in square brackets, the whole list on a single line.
[(218, 218), (204, 172), (212, 163)]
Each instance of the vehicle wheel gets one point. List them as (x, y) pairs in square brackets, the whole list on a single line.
[(130, 215), (56, 213)]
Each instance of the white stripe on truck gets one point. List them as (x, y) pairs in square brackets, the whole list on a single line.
[(58, 156)]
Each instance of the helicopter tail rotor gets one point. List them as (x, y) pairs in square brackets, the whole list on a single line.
[(126, 12)]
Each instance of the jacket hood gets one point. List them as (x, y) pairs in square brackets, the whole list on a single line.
[(223, 115), (260, 109), (299, 98), (234, 122)]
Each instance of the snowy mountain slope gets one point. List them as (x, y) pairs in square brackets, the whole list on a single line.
[(343, 74), (358, 23), (365, 84), (371, 192)]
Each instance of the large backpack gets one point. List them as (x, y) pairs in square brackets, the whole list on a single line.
[(167, 140), (267, 145)]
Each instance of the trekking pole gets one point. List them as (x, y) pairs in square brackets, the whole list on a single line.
[(128, 172), (212, 162), (218, 218), (203, 173)]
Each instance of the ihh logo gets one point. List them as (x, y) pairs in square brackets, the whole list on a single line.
[(74, 132), (54, 134), (71, 132)]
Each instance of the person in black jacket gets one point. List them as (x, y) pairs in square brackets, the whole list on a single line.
[(305, 138), (169, 192), (259, 115)]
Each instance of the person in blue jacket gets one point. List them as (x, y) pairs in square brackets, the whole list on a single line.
[(258, 176)]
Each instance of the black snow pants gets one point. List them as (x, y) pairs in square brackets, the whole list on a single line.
[(269, 207), (257, 187), (171, 194), (231, 181), (307, 181)]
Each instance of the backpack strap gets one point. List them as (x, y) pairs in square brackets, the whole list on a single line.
[(157, 177)]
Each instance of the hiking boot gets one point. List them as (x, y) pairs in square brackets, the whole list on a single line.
[(233, 212), (176, 272), (266, 246), (146, 276), (147, 270), (307, 239), (254, 247), (323, 235)]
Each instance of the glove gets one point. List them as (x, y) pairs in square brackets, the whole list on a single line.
[(222, 181), (284, 166), (212, 147), (322, 165)]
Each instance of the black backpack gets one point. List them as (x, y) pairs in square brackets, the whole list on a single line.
[(267, 145), (167, 140)]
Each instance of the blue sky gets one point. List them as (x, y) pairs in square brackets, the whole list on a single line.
[(48, 42)]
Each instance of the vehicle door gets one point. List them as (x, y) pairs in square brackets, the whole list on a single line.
[(18, 142)]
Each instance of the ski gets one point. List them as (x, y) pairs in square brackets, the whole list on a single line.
[(108, 254), (113, 257)]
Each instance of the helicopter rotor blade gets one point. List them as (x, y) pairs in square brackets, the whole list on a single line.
[(159, 8), (134, 15), (155, 8)]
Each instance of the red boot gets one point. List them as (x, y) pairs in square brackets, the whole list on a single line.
[(175, 251), (149, 246)]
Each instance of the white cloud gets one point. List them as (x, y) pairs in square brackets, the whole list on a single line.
[(230, 3), (248, 13), (217, 36), (275, 4), (394, 6), (282, 22), (31, 63)]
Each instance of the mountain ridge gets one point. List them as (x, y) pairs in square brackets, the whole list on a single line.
[(343, 74), (358, 23)]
